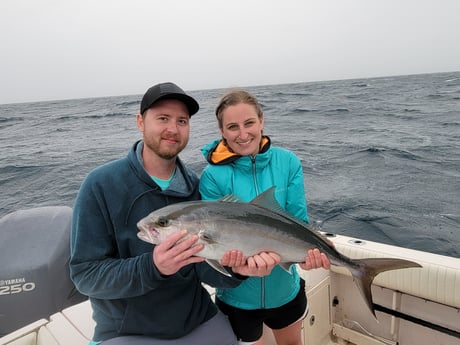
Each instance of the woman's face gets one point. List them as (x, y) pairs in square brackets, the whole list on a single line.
[(242, 128)]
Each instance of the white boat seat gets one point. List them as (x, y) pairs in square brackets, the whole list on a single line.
[(80, 316), (28, 339), (72, 326), (45, 337), (26, 335), (64, 331)]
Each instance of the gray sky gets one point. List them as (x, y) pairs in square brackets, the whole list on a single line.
[(61, 49)]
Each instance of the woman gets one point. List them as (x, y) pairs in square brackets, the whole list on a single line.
[(244, 163)]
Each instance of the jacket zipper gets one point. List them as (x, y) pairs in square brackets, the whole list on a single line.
[(256, 185), (254, 176)]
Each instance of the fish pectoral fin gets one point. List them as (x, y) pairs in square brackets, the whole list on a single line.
[(218, 267), (286, 266)]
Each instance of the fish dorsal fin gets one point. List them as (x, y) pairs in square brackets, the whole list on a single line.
[(230, 198), (267, 200)]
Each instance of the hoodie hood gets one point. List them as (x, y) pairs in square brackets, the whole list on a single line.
[(218, 153)]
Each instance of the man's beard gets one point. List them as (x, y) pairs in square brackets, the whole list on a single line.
[(162, 153)]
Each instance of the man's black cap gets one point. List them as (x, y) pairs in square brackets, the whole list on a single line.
[(168, 91)]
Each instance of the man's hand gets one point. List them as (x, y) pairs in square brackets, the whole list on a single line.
[(171, 255), (258, 265), (315, 259)]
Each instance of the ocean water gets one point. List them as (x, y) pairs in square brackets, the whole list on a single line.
[(381, 156)]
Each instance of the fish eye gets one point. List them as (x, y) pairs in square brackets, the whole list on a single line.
[(163, 221)]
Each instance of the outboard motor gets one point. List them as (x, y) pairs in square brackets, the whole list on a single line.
[(34, 272)]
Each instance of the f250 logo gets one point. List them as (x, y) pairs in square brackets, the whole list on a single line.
[(14, 286)]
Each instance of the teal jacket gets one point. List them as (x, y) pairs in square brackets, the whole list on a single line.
[(246, 177)]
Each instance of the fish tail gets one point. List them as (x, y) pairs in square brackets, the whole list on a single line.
[(365, 270)]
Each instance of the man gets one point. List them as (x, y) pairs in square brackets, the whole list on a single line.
[(144, 294)]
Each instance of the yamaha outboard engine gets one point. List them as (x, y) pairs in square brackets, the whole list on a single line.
[(34, 271)]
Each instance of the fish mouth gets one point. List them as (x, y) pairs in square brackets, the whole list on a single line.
[(148, 233), (153, 232)]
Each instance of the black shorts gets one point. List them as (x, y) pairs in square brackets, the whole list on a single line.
[(248, 324)]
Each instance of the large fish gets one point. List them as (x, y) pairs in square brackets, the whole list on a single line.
[(254, 227)]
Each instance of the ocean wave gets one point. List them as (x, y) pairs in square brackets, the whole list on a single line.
[(128, 103), (11, 174), (404, 114), (334, 208), (361, 220), (93, 116), (336, 111), (453, 217), (109, 115), (436, 96), (386, 151), (373, 149), (293, 93), (303, 110), (6, 179), (4, 120), (450, 124)]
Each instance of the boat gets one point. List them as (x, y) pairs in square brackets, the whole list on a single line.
[(412, 306)]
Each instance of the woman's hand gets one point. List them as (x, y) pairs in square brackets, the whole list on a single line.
[(257, 265), (315, 259)]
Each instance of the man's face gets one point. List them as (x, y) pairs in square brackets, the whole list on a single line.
[(165, 128)]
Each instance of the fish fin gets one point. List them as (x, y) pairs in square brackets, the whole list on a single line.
[(286, 266), (366, 269), (267, 200), (218, 267), (230, 198)]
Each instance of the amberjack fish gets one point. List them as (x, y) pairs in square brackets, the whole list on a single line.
[(261, 225)]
